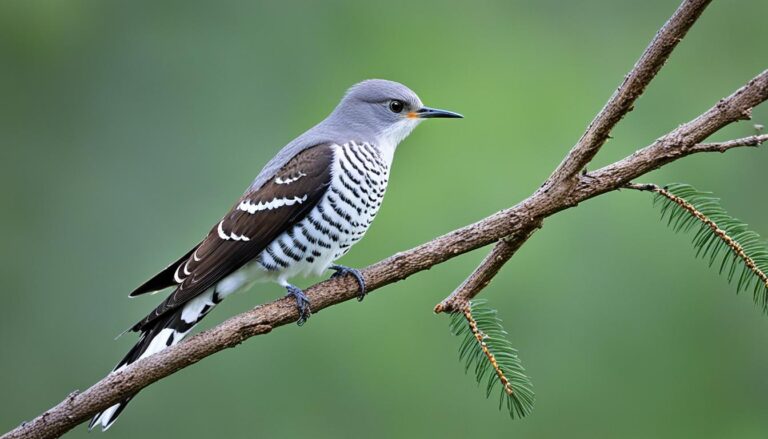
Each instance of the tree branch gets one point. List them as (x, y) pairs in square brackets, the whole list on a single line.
[(682, 141), (508, 246), (486, 271), (622, 101), (756, 140), (562, 180), (516, 222)]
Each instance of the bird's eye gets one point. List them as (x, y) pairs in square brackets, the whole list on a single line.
[(396, 106)]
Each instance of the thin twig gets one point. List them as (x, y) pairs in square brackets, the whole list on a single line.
[(480, 337), (735, 247), (756, 140)]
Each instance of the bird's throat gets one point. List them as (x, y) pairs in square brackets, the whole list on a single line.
[(388, 140)]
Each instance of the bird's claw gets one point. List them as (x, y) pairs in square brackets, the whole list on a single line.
[(302, 303), (341, 270)]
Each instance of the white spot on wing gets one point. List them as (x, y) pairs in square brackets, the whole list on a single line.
[(289, 180), (248, 206), (237, 237), (176, 276), (222, 234)]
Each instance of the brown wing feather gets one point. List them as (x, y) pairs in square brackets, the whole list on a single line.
[(161, 280), (248, 232)]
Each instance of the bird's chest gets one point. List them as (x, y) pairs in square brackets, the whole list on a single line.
[(358, 181)]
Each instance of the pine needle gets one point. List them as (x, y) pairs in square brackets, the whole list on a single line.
[(740, 254), (493, 360)]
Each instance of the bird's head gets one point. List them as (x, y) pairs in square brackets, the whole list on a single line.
[(386, 110)]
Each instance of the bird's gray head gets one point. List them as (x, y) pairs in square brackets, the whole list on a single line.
[(383, 111), (376, 111)]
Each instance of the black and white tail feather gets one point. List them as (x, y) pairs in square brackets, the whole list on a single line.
[(156, 336)]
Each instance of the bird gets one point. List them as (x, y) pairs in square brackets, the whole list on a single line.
[(304, 210)]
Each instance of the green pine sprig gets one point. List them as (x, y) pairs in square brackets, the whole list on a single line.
[(720, 238), (485, 348)]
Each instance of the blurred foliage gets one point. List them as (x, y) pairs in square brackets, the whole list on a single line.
[(127, 129)]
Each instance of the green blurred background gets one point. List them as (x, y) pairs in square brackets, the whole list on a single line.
[(127, 129)]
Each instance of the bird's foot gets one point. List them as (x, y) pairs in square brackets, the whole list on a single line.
[(341, 270), (302, 303)]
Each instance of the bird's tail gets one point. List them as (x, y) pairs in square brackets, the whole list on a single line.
[(157, 335)]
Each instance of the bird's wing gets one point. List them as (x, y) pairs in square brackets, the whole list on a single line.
[(163, 279), (254, 222)]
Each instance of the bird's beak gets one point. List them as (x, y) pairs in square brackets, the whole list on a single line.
[(427, 113)]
